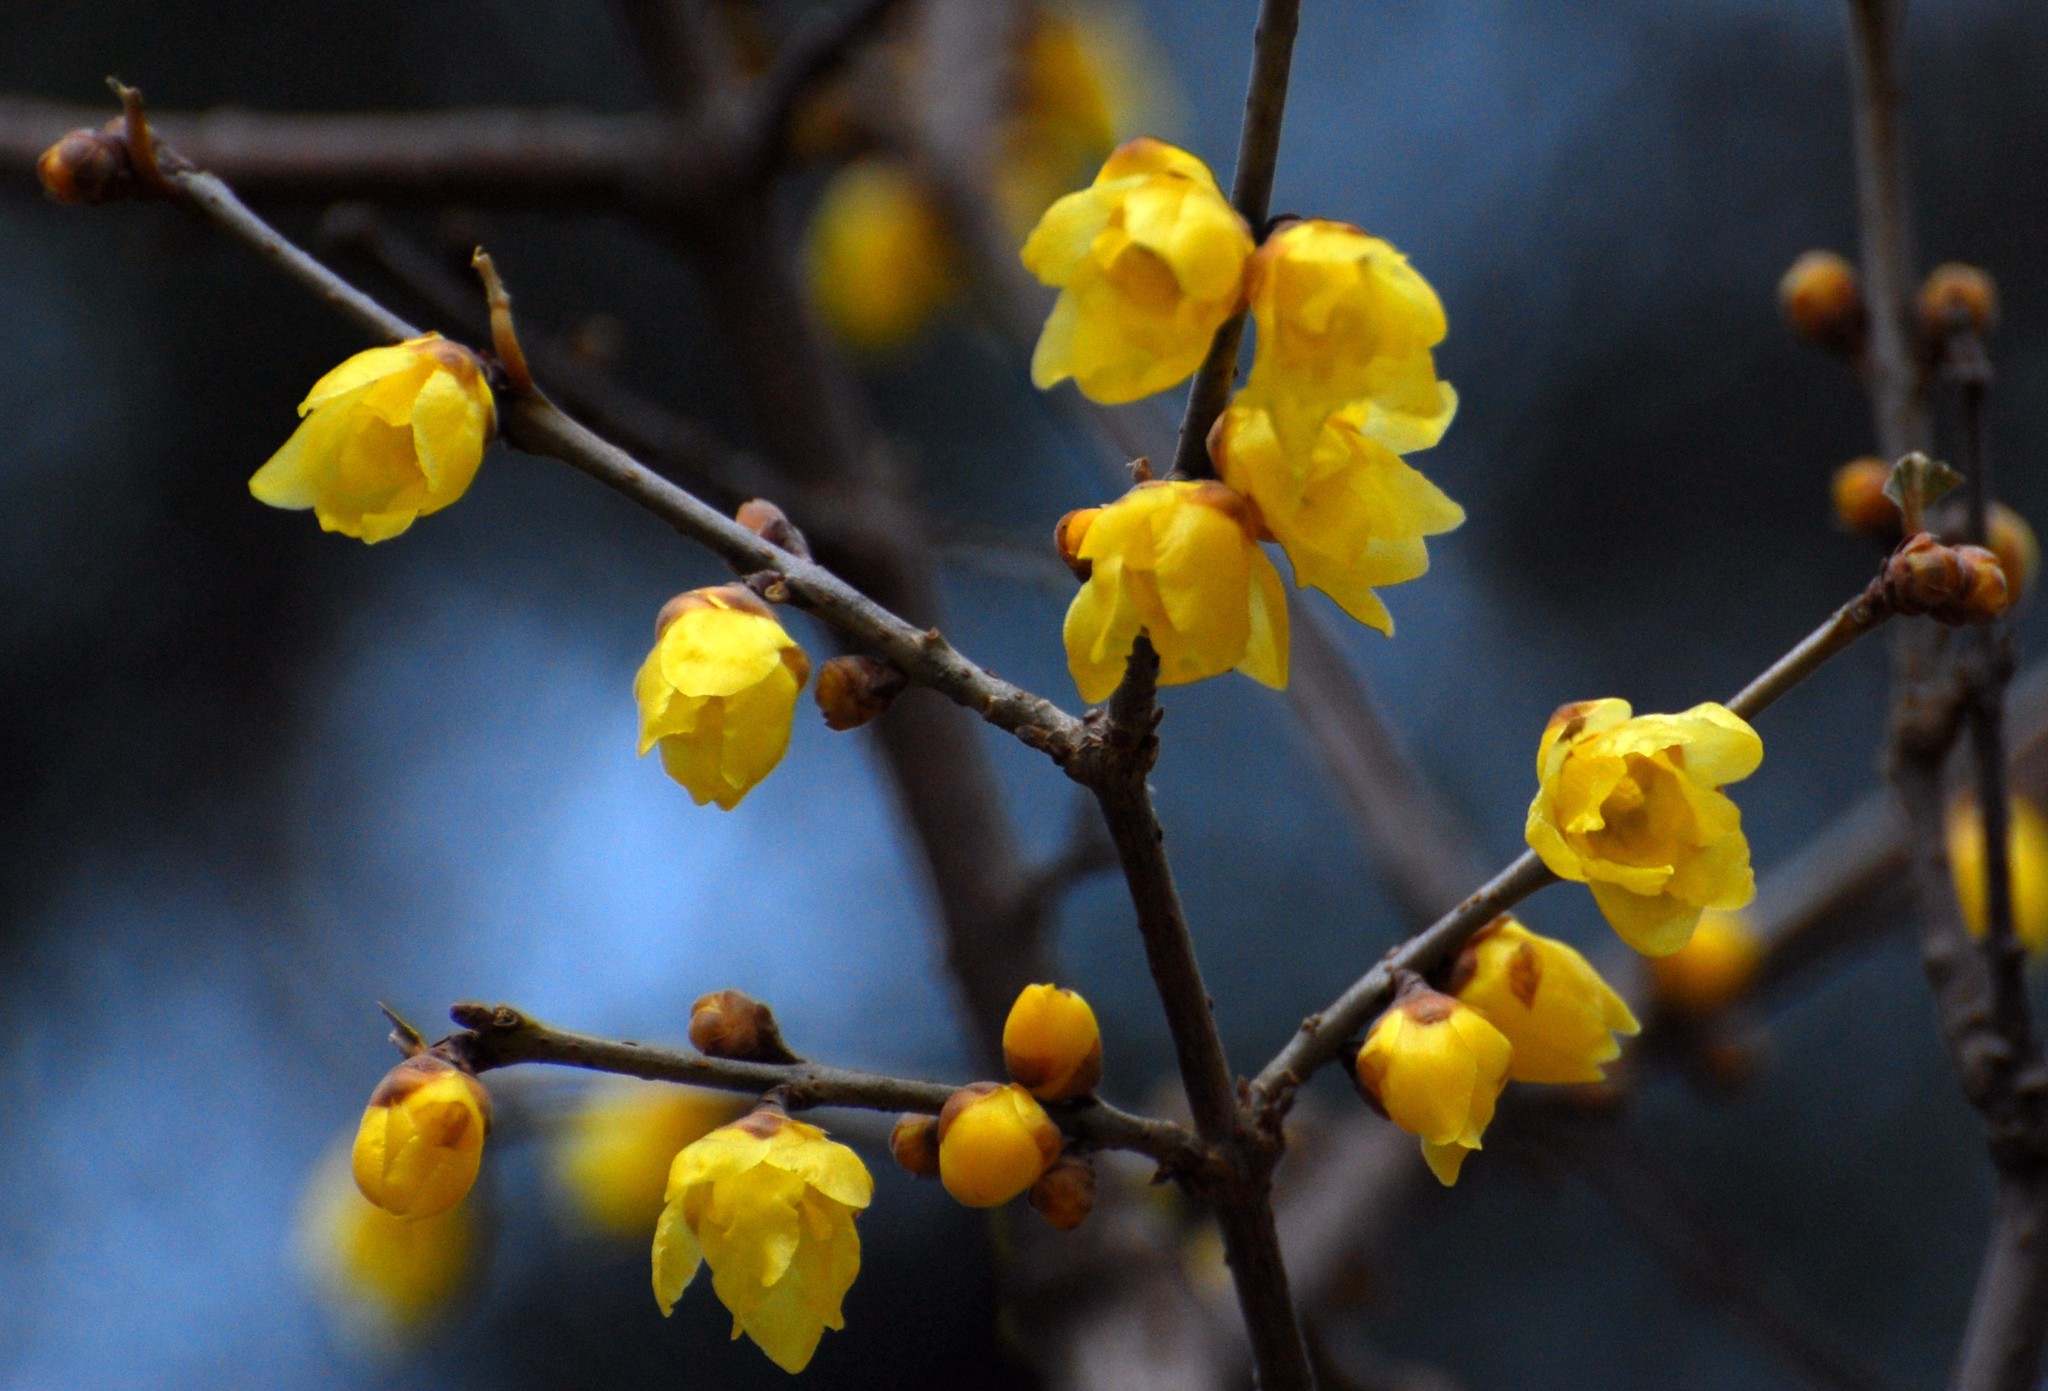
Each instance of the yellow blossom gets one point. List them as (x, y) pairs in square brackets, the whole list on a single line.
[(768, 1202), (1150, 261), (1546, 999), (1436, 1066), (1344, 321), (2027, 854), (718, 692), (1178, 562), (1712, 970), (994, 1143), (1632, 807), (422, 1138), (1062, 121), (388, 436), (613, 1158), (384, 1275), (1051, 1043), (1349, 512), (879, 259)]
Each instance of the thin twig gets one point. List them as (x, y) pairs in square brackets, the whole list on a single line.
[(1848, 623)]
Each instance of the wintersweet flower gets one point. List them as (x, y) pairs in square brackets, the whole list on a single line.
[(1632, 807), (2027, 856), (1051, 1043), (1179, 563), (388, 436), (1349, 512), (718, 692), (1149, 260), (422, 1138), (613, 1157), (384, 1275), (1071, 80), (1710, 971), (1546, 999), (879, 259), (994, 1143), (1436, 1066), (768, 1202)]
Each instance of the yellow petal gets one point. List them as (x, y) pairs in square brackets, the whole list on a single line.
[(676, 1257)]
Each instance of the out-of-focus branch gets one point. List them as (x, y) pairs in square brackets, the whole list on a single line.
[(809, 55), (1877, 30)]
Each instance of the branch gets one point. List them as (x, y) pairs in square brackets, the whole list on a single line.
[(1891, 368), (809, 55)]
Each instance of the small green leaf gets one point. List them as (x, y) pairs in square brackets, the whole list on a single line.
[(1916, 475)]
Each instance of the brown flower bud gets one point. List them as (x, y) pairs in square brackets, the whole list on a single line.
[(768, 522), (1860, 503), (1065, 1194), (1952, 584), (1823, 301), (1985, 593), (853, 690), (2011, 539), (728, 1024), (1068, 534), (88, 166), (914, 1144), (1955, 296)]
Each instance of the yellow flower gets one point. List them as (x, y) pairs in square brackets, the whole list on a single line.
[(1178, 562), (718, 692), (1051, 1043), (385, 1275), (1150, 261), (1436, 1067), (1344, 321), (1632, 807), (422, 1138), (1350, 513), (613, 1159), (390, 435), (1062, 122), (994, 1143), (2026, 853), (769, 1203), (1546, 999), (879, 259), (1712, 970)]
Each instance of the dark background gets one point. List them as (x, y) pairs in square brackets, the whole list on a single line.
[(254, 778)]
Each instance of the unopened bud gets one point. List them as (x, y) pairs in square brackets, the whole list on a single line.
[(1067, 536), (87, 166), (728, 1024), (1860, 501), (725, 596), (1922, 575), (768, 522), (2011, 539), (1985, 593), (1051, 1043), (1711, 971), (994, 1143), (914, 1144), (1955, 296), (855, 689), (421, 1141), (1823, 302), (1065, 1194)]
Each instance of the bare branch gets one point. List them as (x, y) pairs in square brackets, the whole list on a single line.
[(809, 55)]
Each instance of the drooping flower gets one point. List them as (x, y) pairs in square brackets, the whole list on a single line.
[(718, 692), (879, 258), (1149, 260), (612, 1159), (1711, 970), (1436, 1066), (1350, 512), (421, 1141), (768, 1202), (1632, 807), (1547, 999), (994, 1143), (1051, 1043), (2027, 857), (383, 1275), (1178, 562), (389, 436)]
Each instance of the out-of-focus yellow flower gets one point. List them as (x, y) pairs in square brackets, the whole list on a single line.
[(2026, 853), (1350, 513), (879, 259), (390, 435), (1632, 807), (1436, 1066), (613, 1157), (384, 1275), (1180, 563), (1052, 1045), (1345, 322), (1547, 999), (422, 1138), (1071, 80), (994, 1143), (1711, 971), (718, 692), (769, 1203), (2011, 538), (1150, 261)]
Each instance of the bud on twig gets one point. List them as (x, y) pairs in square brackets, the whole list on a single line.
[(772, 525), (1954, 298), (1067, 535), (1951, 584), (2011, 539), (1065, 1194), (728, 1024), (88, 166), (855, 689), (1860, 501), (1823, 302), (914, 1144)]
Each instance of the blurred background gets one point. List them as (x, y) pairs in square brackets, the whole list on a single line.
[(254, 778)]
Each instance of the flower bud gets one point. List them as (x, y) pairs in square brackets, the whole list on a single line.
[(1068, 534), (2011, 539), (1823, 301), (1051, 1044), (1860, 503), (728, 1024), (422, 1138), (1435, 1066), (854, 689), (1985, 592), (1711, 971), (87, 166), (994, 1142), (1065, 1194), (768, 522), (1957, 296), (1952, 584), (914, 1144)]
